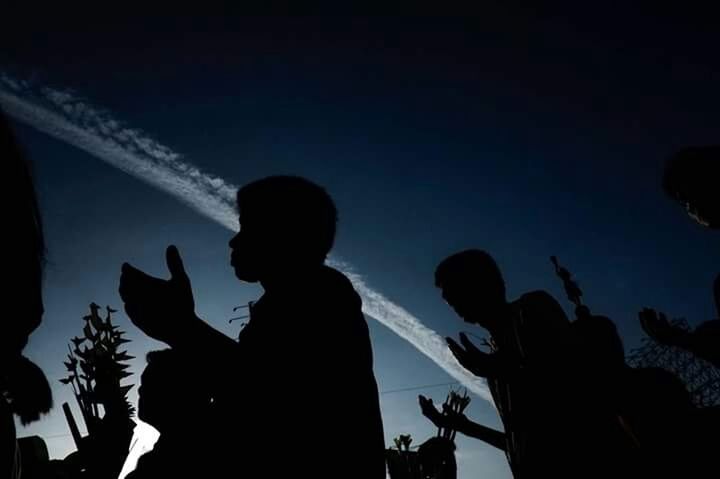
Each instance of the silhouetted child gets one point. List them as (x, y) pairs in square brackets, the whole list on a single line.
[(526, 370), (297, 395), (172, 399), (24, 390)]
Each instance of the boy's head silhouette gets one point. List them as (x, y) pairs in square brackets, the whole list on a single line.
[(170, 393), (287, 224), (472, 285), (691, 178)]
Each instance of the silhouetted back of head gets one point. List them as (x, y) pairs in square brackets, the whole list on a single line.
[(171, 389), (25, 247), (437, 458), (691, 177)]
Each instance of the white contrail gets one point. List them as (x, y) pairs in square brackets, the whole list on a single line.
[(64, 116)]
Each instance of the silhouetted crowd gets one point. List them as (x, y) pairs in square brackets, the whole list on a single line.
[(569, 404)]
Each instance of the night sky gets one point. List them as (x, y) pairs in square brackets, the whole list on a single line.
[(526, 133)]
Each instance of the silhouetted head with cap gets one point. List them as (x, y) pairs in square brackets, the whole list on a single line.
[(171, 393), (287, 226)]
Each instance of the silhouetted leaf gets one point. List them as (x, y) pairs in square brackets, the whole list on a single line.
[(88, 332), (123, 356), (96, 322), (86, 368), (66, 380), (124, 389)]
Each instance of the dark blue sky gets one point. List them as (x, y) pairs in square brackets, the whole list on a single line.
[(526, 133)]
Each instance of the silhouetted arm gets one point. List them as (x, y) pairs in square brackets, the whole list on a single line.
[(484, 433), (206, 343), (165, 311), (480, 363), (460, 423), (704, 341)]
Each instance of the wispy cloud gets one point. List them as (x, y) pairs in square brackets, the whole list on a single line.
[(67, 117)]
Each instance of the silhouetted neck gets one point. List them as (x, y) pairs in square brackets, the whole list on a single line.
[(499, 324), (292, 280)]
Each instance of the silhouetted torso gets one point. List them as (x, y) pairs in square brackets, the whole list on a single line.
[(302, 399), (7, 441), (528, 397)]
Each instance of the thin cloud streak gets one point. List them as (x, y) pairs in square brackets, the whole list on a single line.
[(66, 117)]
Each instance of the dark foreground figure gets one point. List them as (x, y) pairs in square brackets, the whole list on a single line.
[(24, 390)]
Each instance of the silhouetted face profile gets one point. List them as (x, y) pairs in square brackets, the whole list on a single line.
[(169, 392), (692, 177), (287, 225), (473, 286), (24, 249)]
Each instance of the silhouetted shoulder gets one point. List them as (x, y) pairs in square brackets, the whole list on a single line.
[(541, 305), (338, 288)]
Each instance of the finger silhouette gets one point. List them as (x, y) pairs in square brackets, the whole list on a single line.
[(469, 346), (175, 263), (133, 281), (457, 350)]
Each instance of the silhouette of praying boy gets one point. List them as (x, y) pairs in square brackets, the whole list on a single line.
[(526, 370), (296, 395)]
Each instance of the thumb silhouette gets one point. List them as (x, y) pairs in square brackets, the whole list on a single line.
[(175, 264)]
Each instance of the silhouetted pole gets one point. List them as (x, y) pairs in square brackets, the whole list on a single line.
[(72, 425)]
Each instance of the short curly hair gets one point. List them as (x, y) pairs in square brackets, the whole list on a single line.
[(294, 205), (470, 266)]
